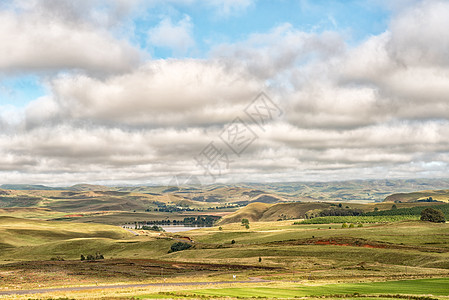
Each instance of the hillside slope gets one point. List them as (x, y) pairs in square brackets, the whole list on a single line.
[(272, 212), (16, 232), (421, 196)]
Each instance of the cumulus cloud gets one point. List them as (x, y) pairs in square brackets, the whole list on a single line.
[(281, 51), (376, 109), (178, 37), (33, 41), (164, 92)]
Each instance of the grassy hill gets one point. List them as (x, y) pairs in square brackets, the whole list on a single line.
[(273, 212), (89, 187), (439, 195), (92, 200), (350, 190), (18, 232)]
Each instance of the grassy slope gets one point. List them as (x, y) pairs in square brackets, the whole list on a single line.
[(437, 287), (88, 200), (252, 212), (272, 212), (440, 195), (425, 248), (22, 239), (417, 244), (297, 210), (24, 232)]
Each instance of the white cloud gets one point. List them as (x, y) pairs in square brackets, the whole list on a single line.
[(161, 93), (178, 37), (375, 109), (419, 35), (33, 41)]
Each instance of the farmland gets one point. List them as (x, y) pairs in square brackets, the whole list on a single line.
[(280, 254), (316, 256)]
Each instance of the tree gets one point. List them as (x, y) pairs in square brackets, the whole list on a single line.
[(233, 242), (344, 225), (179, 246), (220, 228), (245, 222), (394, 206), (260, 259), (247, 226), (351, 225), (82, 257), (432, 215)]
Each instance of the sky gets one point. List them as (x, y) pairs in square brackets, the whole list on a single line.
[(223, 91)]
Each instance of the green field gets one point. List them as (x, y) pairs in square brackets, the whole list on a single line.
[(435, 287), (42, 248)]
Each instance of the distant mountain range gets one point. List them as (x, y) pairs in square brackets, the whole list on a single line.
[(244, 193)]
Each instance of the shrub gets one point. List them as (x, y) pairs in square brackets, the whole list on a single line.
[(351, 225), (344, 225), (432, 215), (153, 228), (57, 258), (220, 228), (233, 242), (360, 225), (179, 246), (97, 255)]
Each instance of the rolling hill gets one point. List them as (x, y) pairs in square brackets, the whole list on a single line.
[(255, 212), (421, 196)]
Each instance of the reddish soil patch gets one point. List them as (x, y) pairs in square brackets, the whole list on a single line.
[(371, 246)]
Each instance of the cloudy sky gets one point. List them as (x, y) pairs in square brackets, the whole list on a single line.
[(138, 91)]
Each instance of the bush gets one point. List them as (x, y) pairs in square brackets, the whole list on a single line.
[(57, 258), (432, 215), (351, 225), (179, 246), (344, 225), (360, 225), (233, 242), (220, 228), (92, 257), (153, 228)]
